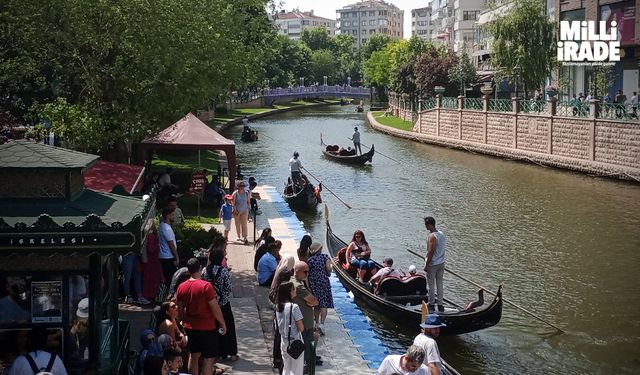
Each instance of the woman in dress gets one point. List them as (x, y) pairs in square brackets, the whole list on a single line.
[(359, 253), (290, 327), (220, 279), (152, 275), (319, 272), (303, 250), (240, 199)]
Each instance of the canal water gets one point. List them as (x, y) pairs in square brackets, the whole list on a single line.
[(565, 246)]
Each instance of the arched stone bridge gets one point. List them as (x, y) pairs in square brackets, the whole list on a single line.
[(271, 95)]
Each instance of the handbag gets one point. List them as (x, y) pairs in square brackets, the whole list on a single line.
[(295, 347)]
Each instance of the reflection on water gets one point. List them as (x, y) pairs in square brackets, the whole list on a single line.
[(564, 245)]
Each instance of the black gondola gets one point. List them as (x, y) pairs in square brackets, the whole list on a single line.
[(360, 109), (248, 134), (401, 299), (304, 199), (351, 159)]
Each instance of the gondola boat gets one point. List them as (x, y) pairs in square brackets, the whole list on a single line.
[(353, 159), (401, 299), (305, 199), (249, 135), (360, 109)]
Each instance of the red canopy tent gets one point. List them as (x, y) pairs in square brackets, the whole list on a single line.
[(191, 133), (104, 176)]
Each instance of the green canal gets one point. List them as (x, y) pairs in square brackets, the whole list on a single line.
[(565, 246)]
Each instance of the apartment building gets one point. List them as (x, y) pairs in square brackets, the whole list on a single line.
[(421, 25), (292, 23), (465, 17), (369, 17)]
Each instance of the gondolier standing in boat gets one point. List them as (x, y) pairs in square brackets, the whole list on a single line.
[(434, 263), (295, 167), (356, 140), (426, 340)]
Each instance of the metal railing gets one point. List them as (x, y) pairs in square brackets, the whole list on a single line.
[(617, 111), (533, 106), (428, 104), (568, 109), (500, 105), (447, 102), (473, 103)]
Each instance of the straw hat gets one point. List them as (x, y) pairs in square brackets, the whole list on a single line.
[(315, 247)]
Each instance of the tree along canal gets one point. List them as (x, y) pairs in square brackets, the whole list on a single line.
[(564, 245)]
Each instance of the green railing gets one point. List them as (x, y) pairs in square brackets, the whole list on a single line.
[(500, 105), (532, 106), (428, 104), (568, 109), (616, 111), (451, 103), (473, 103)]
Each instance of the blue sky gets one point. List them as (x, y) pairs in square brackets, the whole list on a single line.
[(327, 8)]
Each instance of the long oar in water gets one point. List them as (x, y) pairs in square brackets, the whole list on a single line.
[(326, 187), (378, 152), (493, 294)]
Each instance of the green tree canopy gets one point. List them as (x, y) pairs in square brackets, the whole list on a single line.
[(316, 38), (463, 73), (376, 42), (323, 64), (523, 45)]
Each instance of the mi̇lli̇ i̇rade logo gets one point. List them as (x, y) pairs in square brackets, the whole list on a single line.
[(581, 44)]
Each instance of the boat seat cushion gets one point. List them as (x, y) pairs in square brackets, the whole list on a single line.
[(402, 286)]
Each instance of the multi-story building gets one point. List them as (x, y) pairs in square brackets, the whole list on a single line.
[(421, 25), (627, 14), (369, 17), (442, 22), (465, 17), (292, 23), (481, 50)]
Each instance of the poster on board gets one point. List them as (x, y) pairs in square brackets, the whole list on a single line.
[(46, 301)]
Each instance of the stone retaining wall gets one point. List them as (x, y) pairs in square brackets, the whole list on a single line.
[(607, 148)]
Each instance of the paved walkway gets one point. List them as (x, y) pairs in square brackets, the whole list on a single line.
[(254, 313)]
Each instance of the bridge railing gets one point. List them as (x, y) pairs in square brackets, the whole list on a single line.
[(335, 89)]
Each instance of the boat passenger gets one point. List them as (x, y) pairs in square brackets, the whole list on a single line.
[(358, 253), (409, 363), (430, 330), (385, 271)]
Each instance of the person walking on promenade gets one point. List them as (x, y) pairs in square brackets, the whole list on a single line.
[(295, 168), (634, 104), (426, 340), (169, 259), (240, 199), (406, 364), (356, 140), (289, 323), (307, 302), (199, 312), (225, 215), (319, 272), (220, 279), (434, 263), (620, 100)]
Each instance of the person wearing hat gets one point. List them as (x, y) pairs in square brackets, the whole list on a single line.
[(319, 272), (385, 271), (412, 270), (356, 140), (426, 340), (226, 214), (295, 167), (406, 364)]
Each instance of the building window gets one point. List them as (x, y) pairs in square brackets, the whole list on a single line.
[(364, 23), (372, 22), (423, 23), (346, 23), (354, 14), (345, 15), (470, 15), (372, 13), (354, 32), (372, 31), (363, 14), (364, 40), (364, 32)]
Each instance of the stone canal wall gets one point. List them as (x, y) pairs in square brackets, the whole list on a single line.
[(592, 145)]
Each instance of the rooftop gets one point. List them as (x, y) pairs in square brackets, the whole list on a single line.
[(25, 154)]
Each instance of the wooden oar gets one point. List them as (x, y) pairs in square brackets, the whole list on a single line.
[(493, 294), (326, 187), (377, 152)]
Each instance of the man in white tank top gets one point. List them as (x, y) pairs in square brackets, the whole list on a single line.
[(434, 263)]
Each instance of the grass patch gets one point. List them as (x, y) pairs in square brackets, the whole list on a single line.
[(393, 121), (189, 206)]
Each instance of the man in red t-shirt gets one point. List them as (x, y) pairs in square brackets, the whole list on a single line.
[(199, 310)]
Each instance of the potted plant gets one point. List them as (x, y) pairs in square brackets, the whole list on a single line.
[(551, 89)]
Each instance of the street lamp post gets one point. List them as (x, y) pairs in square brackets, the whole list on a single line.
[(325, 80), (349, 81)]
